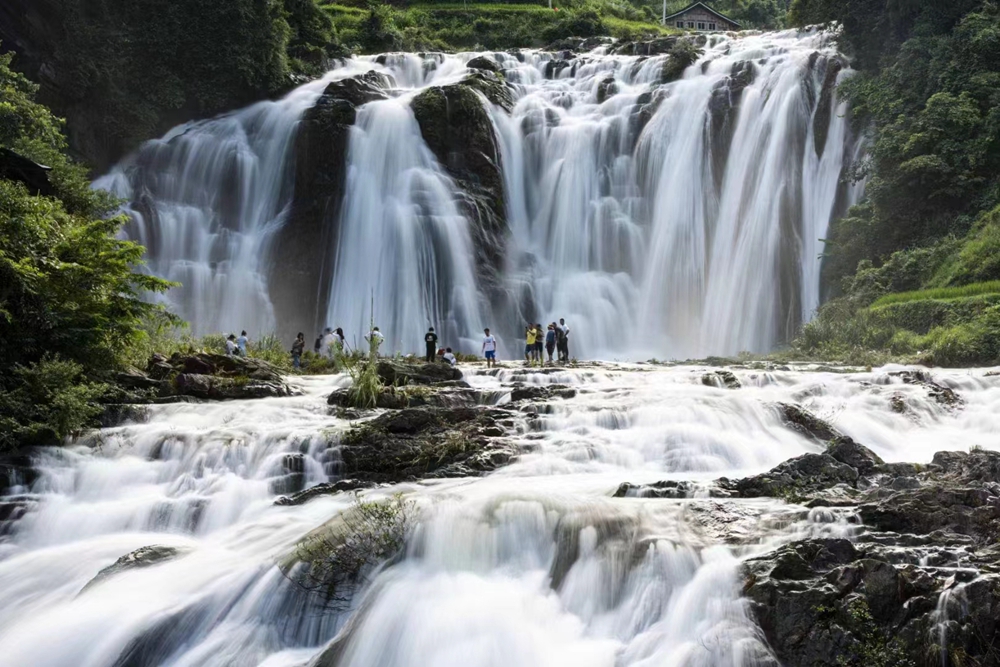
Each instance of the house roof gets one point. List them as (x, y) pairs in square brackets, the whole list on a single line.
[(702, 5)]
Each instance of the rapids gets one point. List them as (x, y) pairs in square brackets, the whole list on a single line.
[(487, 579), (672, 220)]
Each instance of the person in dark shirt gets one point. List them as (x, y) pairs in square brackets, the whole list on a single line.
[(297, 347), (430, 340)]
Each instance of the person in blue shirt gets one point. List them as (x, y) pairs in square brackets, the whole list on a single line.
[(242, 342), (550, 340)]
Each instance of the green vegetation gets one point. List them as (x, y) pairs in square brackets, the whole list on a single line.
[(965, 291), (69, 290), (915, 266), (339, 557), (457, 27), (123, 71)]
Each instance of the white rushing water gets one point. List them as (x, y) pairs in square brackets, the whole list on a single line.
[(669, 220), (533, 565)]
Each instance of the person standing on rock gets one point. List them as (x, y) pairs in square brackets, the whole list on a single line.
[(489, 348), (329, 345), (562, 340), (231, 345), (430, 343), (539, 343), (529, 343), (297, 348), (550, 340), (375, 339), (242, 343)]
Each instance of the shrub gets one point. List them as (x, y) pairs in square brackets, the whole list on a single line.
[(50, 400)]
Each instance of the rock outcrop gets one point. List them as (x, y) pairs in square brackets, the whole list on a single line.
[(458, 129), (140, 558), (303, 247), (201, 376), (420, 443)]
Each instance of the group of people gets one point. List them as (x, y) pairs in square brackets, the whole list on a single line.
[(432, 350), (237, 347), (554, 340)]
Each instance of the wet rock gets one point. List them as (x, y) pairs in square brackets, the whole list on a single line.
[(16, 470), (824, 107), (416, 443), (859, 457), (607, 87), (484, 63), (929, 542), (721, 379), (794, 479), (681, 55), (530, 392), (141, 557), (944, 396), (457, 128), (327, 489), (664, 489), (116, 414), (801, 420), (401, 373)]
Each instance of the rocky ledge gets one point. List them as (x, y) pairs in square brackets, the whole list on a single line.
[(917, 583), (204, 376)]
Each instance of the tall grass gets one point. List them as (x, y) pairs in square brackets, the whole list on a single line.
[(964, 291)]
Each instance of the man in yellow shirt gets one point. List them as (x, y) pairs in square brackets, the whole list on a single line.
[(529, 343)]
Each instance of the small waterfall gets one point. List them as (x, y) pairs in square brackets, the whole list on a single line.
[(671, 219), (403, 243)]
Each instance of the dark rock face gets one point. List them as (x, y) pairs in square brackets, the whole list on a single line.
[(142, 557), (824, 107), (665, 489), (303, 247), (457, 128), (394, 373), (806, 423), (721, 379), (528, 392), (485, 63), (920, 587), (328, 489), (425, 442)]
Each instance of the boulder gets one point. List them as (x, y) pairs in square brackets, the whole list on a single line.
[(801, 420), (416, 443), (327, 489), (721, 379), (484, 63), (140, 558), (401, 373)]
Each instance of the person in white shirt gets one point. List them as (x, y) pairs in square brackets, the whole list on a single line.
[(375, 338), (562, 341), (231, 345), (329, 345), (490, 348), (449, 357)]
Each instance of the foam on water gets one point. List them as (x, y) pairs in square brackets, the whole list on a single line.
[(535, 564)]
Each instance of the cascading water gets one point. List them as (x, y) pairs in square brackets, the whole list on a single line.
[(670, 219), (535, 564)]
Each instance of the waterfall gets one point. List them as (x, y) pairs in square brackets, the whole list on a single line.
[(671, 219)]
